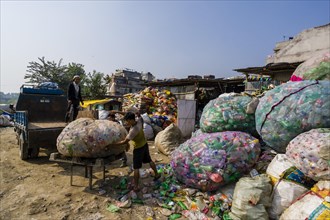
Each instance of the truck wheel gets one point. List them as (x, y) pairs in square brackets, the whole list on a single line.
[(34, 152), (23, 148)]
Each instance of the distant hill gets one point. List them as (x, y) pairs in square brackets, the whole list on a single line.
[(8, 98)]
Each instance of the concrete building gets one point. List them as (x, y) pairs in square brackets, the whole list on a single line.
[(308, 43), (288, 55), (125, 81)]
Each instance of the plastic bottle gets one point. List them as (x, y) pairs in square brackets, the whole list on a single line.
[(133, 194), (254, 173), (200, 203), (175, 216), (193, 206), (147, 196), (216, 211), (182, 205), (123, 183), (219, 196), (149, 211)]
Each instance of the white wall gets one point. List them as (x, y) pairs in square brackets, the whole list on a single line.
[(306, 44)]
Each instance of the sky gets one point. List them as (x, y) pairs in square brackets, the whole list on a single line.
[(170, 39)]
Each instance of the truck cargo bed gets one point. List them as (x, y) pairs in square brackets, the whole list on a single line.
[(46, 125)]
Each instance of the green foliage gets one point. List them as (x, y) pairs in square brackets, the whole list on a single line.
[(46, 71), (49, 71), (9, 98), (93, 86)]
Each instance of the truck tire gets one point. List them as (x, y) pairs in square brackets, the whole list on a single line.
[(23, 147), (33, 152)]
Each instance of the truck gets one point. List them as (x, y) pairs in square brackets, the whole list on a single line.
[(39, 119)]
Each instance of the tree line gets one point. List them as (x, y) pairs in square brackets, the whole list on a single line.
[(93, 85)]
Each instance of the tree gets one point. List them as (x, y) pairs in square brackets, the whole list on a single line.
[(94, 87), (49, 71), (45, 71)]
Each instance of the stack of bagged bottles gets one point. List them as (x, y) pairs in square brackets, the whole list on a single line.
[(152, 101)]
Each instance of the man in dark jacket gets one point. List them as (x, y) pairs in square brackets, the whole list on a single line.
[(74, 97)]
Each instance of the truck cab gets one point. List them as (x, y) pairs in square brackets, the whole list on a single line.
[(39, 119)]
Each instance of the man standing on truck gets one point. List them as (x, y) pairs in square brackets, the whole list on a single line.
[(74, 97)]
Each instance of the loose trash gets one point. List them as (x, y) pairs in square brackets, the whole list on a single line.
[(113, 208)]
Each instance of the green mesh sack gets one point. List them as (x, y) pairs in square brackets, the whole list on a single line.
[(228, 113), (315, 68)]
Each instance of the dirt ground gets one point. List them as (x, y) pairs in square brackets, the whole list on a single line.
[(40, 189)]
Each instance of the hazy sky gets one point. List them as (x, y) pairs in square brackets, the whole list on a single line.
[(167, 38)]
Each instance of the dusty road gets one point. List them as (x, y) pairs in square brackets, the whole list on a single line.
[(40, 189)]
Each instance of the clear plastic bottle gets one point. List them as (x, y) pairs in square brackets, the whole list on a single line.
[(200, 203)]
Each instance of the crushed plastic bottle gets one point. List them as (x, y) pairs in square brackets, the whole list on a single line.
[(138, 201), (175, 216), (147, 196), (182, 205), (123, 183), (254, 173), (124, 198), (133, 195), (200, 204), (149, 211)]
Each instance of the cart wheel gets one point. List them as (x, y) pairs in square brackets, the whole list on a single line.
[(23, 148), (34, 152)]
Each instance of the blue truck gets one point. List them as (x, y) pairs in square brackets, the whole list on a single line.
[(39, 119)]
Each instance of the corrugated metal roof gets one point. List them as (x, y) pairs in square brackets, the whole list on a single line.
[(270, 69)]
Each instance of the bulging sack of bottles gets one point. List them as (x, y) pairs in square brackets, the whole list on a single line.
[(291, 109), (168, 139), (251, 198), (315, 68), (228, 113), (313, 205), (210, 160), (310, 152), (90, 138)]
